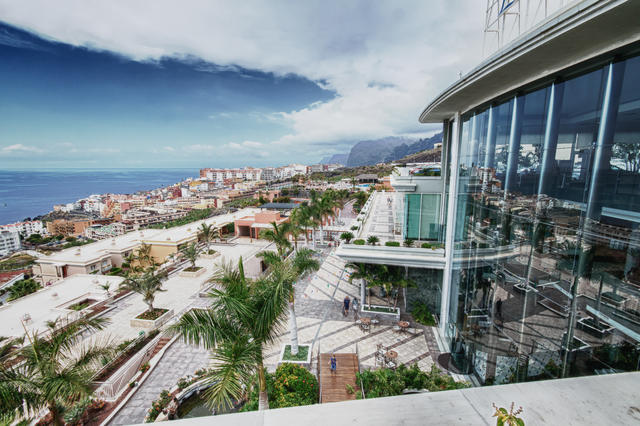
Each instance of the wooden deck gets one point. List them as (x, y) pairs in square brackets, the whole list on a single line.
[(333, 385)]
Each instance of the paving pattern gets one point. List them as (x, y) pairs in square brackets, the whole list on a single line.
[(320, 324), (179, 360)]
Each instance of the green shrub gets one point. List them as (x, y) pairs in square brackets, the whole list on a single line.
[(74, 414), (157, 406), (294, 386), (346, 236), (290, 386), (426, 245), (358, 242), (354, 228), (409, 242), (422, 314), (386, 382), (392, 244)]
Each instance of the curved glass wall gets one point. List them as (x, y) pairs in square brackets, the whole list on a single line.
[(545, 279)]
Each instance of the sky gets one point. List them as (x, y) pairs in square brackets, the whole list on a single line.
[(125, 83)]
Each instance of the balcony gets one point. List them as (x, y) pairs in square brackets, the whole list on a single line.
[(424, 178)]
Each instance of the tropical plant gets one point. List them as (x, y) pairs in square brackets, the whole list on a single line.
[(373, 240), (191, 253), (244, 316), (147, 284), (206, 233), (508, 418), (22, 288), (55, 371), (297, 225), (360, 271), (278, 234), (143, 258), (286, 273), (106, 287), (346, 236), (409, 242), (421, 314)]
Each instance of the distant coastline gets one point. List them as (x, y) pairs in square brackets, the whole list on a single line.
[(31, 193)]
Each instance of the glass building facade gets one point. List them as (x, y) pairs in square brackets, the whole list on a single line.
[(545, 270)]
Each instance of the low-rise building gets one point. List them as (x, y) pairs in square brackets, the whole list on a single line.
[(68, 227), (25, 228), (250, 226)]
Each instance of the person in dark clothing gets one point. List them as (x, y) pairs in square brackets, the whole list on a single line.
[(345, 307), (333, 363), (499, 309)]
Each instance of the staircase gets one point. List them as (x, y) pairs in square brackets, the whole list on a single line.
[(161, 344)]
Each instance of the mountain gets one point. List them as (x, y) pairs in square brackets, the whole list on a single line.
[(388, 149), (403, 150), (335, 159), (374, 151)]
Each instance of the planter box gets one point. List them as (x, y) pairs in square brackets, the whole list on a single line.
[(306, 362), (192, 274), (588, 325), (210, 256), (151, 324), (365, 310)]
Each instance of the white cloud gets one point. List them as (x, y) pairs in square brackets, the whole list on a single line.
[(384, 60), (20, 148), (168, 149)]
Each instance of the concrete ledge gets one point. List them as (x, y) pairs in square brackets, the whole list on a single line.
[(596, 400), (151, 324), (210, 256)]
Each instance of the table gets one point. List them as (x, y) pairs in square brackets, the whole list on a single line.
[(391, 355), (403, 324), (366, 320), (365, 323)]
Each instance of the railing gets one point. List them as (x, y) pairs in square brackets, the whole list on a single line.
[(360, 371), (318, 374), (110, 389)]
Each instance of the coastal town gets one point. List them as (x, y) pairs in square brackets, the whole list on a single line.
[(101, 216)]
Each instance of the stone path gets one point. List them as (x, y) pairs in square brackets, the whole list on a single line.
[(178, 361)]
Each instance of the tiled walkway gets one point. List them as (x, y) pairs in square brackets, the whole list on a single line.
[(180, 360), (320, 322)]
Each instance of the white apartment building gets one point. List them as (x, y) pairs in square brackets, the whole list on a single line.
[(9, 242), (25, 228)]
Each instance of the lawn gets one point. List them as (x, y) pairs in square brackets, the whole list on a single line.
[(303, 351)]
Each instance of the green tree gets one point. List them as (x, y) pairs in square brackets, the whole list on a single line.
[(286, 273), (362, 271), (22, 288), (279, 235), (206, 233), (191, 253), (147, 284), (244, 316), (346, 236), (373, 240), (55, 371)]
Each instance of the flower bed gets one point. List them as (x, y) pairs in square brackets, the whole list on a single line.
[(83, 304), (382, 310), (153, 319)]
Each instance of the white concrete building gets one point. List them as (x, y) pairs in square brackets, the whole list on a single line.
[(26, 228), (9, 242)]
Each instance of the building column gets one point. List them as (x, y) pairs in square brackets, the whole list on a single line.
[(514, 144), (604, 144), (547, 162), (451, 217), (490, 153)]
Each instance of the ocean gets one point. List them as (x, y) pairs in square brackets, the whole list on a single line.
[(27, 193)]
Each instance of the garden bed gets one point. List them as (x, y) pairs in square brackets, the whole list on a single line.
[(153, 319), (381, 310), (303, 356), (83, 304), (589, 325), (207, 255), (191, 272)]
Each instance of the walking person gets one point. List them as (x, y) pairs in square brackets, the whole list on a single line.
[(355, 307), (333, 363), (345, 306)]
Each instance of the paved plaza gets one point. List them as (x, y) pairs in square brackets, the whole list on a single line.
[(320, 322), (380, 222)]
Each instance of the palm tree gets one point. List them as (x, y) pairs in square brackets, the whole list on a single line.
[(361, 271), (373, 240), (191, 253), (305, 218), (289, 271), (244, 316), (346, 236), (296, 226), (144, 257), (147, 284), (206, 233), (278, 234), (54, 372)]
